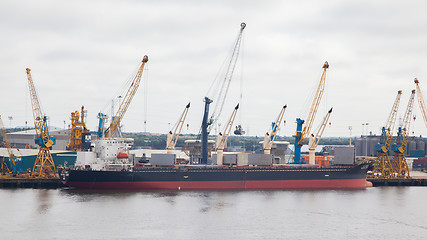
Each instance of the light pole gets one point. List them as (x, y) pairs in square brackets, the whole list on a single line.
[(10, 121)]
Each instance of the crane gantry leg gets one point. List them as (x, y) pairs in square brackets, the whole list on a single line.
[(382, 167), (44, 167)]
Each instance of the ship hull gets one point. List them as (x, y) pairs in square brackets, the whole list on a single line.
[(221, 178)]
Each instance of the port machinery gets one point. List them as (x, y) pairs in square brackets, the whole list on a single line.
[(382, 166), (220, 96), (222, 138), (44, 166), (399, 164), (106, 133), (78, 130), (302, 134), (172, 137), (270, 137), (421, 102)]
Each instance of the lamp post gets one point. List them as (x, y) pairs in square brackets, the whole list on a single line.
[(10, 121)]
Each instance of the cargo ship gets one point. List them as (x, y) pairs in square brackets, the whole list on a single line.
[(110, 166), (221, 178)]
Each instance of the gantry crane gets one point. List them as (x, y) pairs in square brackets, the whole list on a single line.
[(221, 140), (221, 94), (172, 138), (77, 131), (302, 134), (44, 166), (313, 141), (399, 164), (270, 137), (5, 169), (421, 102), (127, 99), (382, 166)]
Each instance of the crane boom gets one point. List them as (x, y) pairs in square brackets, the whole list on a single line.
[(172, 138), (421, 102), (389, 127), (314, 139), (115, 123), (314, 106), (222, 93), (303, 133), (221, 140), (269, 137), (44, 166)]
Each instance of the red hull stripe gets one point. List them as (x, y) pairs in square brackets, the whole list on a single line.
[(227, 185)]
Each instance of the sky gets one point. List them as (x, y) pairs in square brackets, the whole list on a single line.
[(84, 53)]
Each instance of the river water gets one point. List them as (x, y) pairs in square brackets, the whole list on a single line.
[(374, 213)]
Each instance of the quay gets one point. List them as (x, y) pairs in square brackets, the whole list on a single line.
[(414, 181), (38, 183)]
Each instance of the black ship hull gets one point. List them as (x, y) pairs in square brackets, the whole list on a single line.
[(221, 178)]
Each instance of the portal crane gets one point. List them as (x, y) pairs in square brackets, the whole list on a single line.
[(270, 137), (78, 130), (115, 123), (44, 166), (421, 102), (382, 166), (313, 141), (5, 169), (209, 122), (302, 134), (221, 140), (172, 138), (400, 166)]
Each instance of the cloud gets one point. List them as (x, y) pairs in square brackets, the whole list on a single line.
[(82, 52)]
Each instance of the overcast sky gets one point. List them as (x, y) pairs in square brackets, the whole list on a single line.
[(83, 53)]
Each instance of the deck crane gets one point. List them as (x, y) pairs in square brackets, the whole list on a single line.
[(44, 166), (382, 166), (313, 141), (78, 130), (421, 102), (399, 164), (127, 99), (221, 140), (209, 122), (302, 134), (172, 138), (5, 169), (270, 137)]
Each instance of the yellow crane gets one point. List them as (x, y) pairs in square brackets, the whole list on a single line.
[(127, 99), (270, 137), (314, 139), (5, 169), (172, 138), (303, 133), (382, 166), (421, 102), (78, 128), (44, 166), (221, 140), (400, 166)]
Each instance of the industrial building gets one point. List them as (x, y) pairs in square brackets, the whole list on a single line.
[(23, 138), (25, 158), (365, 146)]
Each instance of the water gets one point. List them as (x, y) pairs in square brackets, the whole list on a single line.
[(375, 213)]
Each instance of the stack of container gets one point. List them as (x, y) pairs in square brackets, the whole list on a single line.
[(319, 160)]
